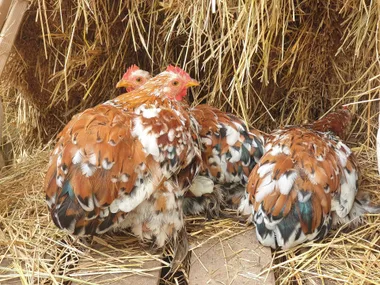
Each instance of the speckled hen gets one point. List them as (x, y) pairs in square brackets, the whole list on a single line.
[(229, 149), (121, 164), (306, 181)]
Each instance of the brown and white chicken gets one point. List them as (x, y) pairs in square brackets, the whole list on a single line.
[(306, 181), (126, 163), (229, 150)]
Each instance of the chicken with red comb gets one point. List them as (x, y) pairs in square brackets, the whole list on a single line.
[(126, 163), (229, 149)]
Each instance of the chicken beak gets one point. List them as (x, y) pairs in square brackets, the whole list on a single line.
[(192, 83), (123, 83)]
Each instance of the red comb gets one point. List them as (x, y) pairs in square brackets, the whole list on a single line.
[(130, 69), (178, 70)]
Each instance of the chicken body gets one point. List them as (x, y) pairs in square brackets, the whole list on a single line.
[(304, 181), (229, 152), (121, 163)]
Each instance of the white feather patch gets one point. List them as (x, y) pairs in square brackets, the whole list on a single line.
[(346, 149), (303, 198), (348, 192), (249, 147), (59, 160), (171, 135), (235, 155), (239, 127), (268, 147), (151, 113), (286, 150), (276, 150), (265, 188), (157, 92), (286, 182), (87, 169), (129, 202), (78, 156), (59, 181), (206, 141), (202, 185), (104, 213), (124, 177), (264, 169), (149, 141), (245, 208), (342, 157), (232, 135), (107, 164)]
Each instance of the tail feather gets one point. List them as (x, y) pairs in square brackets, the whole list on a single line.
[(362, 206)]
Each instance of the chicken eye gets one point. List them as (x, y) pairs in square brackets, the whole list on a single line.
[(175, 83), (138, 79)]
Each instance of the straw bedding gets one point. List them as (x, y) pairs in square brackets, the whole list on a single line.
[(271, 62)]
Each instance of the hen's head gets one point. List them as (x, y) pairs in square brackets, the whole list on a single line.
[(133, 78), (172, 83)]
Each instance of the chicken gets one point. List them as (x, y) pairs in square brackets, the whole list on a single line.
[(306, 181), (126, 163), (229, 152)]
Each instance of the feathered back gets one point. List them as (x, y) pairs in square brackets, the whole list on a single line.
[(302, 178), (229, 149), (93, 171)]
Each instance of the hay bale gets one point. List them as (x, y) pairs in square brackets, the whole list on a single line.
[(261, 59)]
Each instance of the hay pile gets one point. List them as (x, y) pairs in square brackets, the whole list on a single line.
[(271, 62), (260, 59)]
